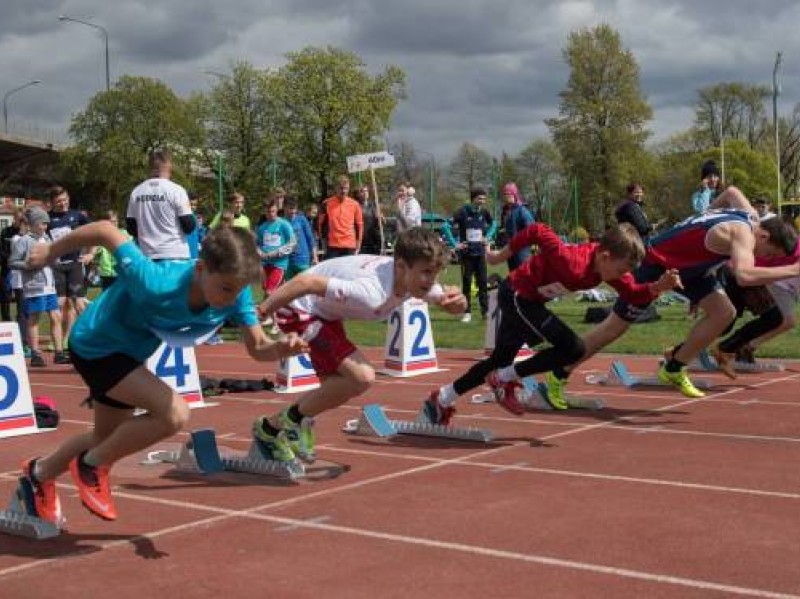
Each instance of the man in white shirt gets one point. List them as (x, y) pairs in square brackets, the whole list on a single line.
[(159, 214), (409, 212)]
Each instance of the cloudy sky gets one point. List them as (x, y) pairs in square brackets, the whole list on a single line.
[(484, 71)]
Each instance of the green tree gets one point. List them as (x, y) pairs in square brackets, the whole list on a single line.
[(732, 111), (471, 168), (328, 106), (119, 127), (241, 120), (540, 178), (600, 132)]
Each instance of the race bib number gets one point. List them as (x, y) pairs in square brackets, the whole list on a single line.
[(59, 232), (553, 290), (474, 235), (272, 239)]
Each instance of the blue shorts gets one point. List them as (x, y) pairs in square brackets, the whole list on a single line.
[(696, 286), (40, 303)]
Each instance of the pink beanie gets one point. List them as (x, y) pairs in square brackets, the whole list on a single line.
[(511, 189)]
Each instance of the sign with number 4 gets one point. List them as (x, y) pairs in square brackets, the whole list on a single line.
[(177, 367), (409, 347)]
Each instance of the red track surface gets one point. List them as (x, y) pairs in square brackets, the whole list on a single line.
[(655, 496)]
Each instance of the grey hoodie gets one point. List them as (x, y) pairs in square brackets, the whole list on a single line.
[(36, 281)]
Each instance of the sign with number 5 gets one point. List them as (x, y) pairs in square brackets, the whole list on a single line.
[(16, 403)]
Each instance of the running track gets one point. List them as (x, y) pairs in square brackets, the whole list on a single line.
[(655, 496)]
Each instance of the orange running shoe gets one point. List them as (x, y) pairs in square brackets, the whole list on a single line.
[(93, 487), (45, 497)]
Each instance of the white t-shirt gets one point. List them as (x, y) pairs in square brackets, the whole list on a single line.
[(359, 288), (156, 204), (410, 215)]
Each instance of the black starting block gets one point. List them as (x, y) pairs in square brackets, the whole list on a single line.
[(374, 422), (21, 519)]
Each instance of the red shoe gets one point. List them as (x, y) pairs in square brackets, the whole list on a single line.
[(93, 487), (48, 506), (506, 394), (433, 412)]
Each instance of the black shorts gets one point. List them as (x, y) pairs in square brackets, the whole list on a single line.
[(103, 374), (69, 279), (696, 286)]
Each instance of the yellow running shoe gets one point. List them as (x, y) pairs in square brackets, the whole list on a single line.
[(680, 380), (555, 392)]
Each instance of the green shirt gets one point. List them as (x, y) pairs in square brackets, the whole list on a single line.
[(105, 260)]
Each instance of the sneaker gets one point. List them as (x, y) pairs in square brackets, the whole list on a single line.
[(555, 392), (506, 394), (93, 488), (37, 360), (272, 447), (724, 361), (300, 436), (433, 412), (467, 317), (680, 380), (62, 357), (48, 506)]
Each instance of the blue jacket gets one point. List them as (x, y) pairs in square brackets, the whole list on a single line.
[(517, 219), (305, 240), (469, 220)]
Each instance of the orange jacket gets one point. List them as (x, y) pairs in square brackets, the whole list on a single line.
[(344, 220)]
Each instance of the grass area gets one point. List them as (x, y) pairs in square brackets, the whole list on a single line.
[(645, 338)]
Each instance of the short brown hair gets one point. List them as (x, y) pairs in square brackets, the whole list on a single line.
[(158, 158), (623, 242), (232, 197), (419, 244), (232, 251), (54, 192), (782, 235)]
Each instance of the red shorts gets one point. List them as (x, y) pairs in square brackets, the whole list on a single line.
[(328, 348), (273, 277)]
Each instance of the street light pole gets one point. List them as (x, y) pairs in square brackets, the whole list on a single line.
[(8, 94), (776, 91), (105, 39)]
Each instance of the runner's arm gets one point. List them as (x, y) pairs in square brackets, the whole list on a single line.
[(98, 233)]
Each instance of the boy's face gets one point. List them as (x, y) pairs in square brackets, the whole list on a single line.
[(417, 279), (271, 212), (610, 268), (291, 211), (220, 290)]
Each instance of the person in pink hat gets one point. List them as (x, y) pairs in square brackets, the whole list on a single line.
[(515, 217)]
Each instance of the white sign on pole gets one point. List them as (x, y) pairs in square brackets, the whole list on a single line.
[(364, 162), (177, 367), (409, 349), (16, 404)]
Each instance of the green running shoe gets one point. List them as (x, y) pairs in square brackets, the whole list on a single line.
[(300, 436), (555, 392), (272, 447), (681, 381)]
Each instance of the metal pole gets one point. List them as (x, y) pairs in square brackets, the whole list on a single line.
[(8, 94), (105, 39), (220, 177), (776, 91)]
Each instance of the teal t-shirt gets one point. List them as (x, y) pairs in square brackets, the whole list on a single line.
[(271, 236), (150, 303)]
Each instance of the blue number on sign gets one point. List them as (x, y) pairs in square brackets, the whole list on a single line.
[(305, 362), (12, 382), (179, 370), (417, 349), (393, 349)]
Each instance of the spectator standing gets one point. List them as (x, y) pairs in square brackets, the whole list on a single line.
[(106, 263), (476, 229), (409, 212), (195, 237), (235, 204), (764, 208), (516, 217), (6, 237), (159, 215), (276, 241), (373, 222), (15, 283), (69, 270), (305, 252), (710, 186), (39, 289), (341, 222), (631, 210)]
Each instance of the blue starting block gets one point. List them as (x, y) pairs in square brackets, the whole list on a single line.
[(620, 376), (21, 518), (705, 362), (374, 422), (201, 455)]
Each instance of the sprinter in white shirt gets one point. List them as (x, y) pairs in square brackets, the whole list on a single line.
[(159, 215), (316, 303)]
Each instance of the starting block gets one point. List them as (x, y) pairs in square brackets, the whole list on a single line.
[(705, 362), (201, 455), (535, 398), (20, 518), (374, 423), (619, 376)]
